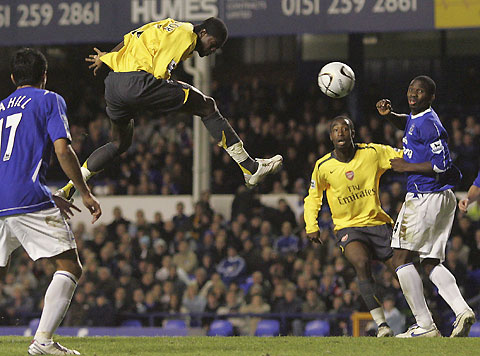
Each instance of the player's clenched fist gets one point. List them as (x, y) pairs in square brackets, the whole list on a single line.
[(384, 107)]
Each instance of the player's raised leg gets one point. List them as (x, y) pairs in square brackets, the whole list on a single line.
[(358, 255), (57, 300), (254, 170), (122, 135)]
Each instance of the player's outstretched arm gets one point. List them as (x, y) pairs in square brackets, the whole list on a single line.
[(70, 165), (400, 165), (95, 58), (472, 196), (384, 108)]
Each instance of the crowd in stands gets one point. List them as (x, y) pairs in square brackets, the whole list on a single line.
[(257, 261)]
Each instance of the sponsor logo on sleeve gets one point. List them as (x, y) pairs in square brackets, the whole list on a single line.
[(312, 183), (436, 147)]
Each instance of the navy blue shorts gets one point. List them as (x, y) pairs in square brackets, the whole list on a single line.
[(377, 238), (130, 93)]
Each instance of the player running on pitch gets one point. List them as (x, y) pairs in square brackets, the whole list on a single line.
[(350, 176), (140, 80), (32, 122), (425, 221)]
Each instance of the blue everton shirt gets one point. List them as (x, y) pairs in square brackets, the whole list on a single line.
[(425, 140), (477, 181), (31, 119)]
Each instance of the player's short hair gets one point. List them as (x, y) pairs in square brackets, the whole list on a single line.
[(429, 83), (342, 118), (215, 27), (28, 66)]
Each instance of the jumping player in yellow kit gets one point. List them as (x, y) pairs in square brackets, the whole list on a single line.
[(140, 80)]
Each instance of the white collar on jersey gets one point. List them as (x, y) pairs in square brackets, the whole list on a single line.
[(422, 113)]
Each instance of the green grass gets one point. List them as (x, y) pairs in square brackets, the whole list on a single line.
[(254, 346)]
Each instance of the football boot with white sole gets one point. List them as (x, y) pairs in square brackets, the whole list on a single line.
[(417, 331), (265, 167), (463, 323), (49, 348)]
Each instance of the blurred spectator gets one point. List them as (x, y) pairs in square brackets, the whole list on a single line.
[(106, 283), (192, 302), (462, 251), (287, 242), (313, 304), (118, 219), (232, 306), (180, 220), (139, 305), (395, 319), (102, 312), (77, 314), (339, 323), (185, 258), (252, 256), (290, 304), (256, 306), (474, 257), (211, 307), (232, 268), (159, 252), (121, 304), (458, 269)]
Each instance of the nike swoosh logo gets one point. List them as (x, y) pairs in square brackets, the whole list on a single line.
[(426, 332), (332, 172)]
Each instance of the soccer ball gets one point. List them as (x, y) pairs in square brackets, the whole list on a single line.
[(336, 79)]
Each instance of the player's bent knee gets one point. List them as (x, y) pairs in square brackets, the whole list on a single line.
[(68, 261), (361, 266), (209, 107)]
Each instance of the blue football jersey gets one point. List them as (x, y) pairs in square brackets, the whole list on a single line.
[(425, 140), (31, 119), (477, 181)]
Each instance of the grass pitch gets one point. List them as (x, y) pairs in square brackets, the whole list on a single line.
[(255, 346)]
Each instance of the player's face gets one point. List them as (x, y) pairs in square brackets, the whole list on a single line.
[(208, 44), (418, 97), (341, 134)]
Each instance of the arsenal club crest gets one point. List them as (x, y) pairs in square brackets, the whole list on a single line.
[(349, 175), (344, 238)]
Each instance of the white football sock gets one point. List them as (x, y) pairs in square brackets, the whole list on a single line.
[(57, 300), (237, 152), (412, 288), (378, 316), (448, 289)]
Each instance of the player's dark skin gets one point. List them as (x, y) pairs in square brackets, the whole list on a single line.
[(356, 252), (419, 100), (197, 103)]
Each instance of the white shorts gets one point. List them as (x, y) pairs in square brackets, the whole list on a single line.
[(44, 233), (424, 223)]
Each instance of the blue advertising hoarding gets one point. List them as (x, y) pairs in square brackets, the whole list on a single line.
[(37, 22)]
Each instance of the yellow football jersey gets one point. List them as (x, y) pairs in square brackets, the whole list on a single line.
[(352, 188), (156, 48)]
